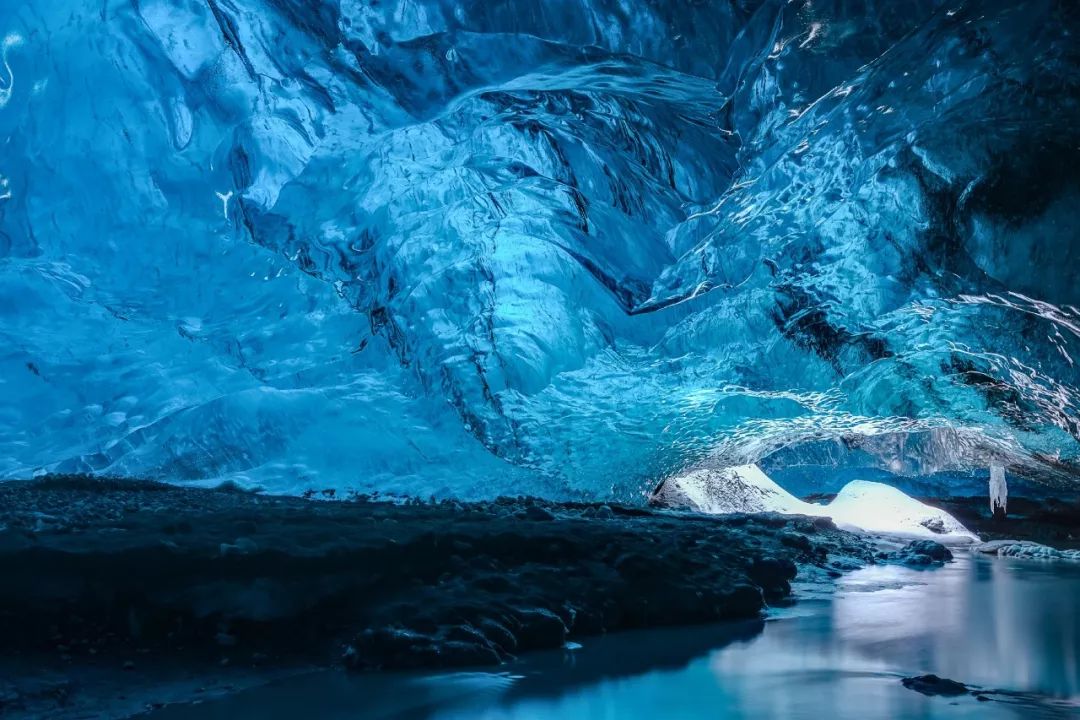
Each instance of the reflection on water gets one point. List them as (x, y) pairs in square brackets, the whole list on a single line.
[(1000, 624), (991, 623), (995, 623)]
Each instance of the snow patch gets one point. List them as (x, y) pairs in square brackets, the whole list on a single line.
[(861, 506), (880, 508), (730, 490)]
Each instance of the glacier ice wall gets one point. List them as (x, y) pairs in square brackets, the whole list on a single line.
[(550, 246)]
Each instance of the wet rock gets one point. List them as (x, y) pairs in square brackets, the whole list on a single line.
[(773, 575), (588, 621), (534, 512), (936, 551), (455, 653), (224, 639), (846, 564), (464, 633), (796, 541), (741, 601), (498, 635), (26, 693), (635, 565), (495, 583), (1026, 549), (454, 646), (462, 546), (933, 685), (934, 525), (242, 546), (399, 585), (772, 520), (378, 648), (920, 553), (539, 629), (9, 696)]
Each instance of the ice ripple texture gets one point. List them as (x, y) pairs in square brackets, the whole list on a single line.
[(535, 246)]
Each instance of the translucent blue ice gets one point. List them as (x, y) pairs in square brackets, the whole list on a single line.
[(535, 246)]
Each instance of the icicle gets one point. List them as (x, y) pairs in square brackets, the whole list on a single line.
[(999, 492)]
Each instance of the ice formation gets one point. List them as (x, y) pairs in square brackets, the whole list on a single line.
[(730, 490), (861, 505), (880, 508), (1026, 549), (558, 247), (999, 491)]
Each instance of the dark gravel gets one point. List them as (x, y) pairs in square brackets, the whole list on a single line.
[(116, 574)]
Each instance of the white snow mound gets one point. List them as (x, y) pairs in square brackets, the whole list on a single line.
[(860, 506)]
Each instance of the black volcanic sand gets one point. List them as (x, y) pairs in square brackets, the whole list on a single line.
[(106, 578)]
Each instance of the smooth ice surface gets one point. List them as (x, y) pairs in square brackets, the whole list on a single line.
[(861, 505), (560, 247)]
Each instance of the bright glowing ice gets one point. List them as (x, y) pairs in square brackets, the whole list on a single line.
[(861, 505), (559, 247), (999, 491), (730, 490), (880, 508)]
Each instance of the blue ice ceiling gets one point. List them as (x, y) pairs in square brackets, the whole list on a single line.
[(536, 246)]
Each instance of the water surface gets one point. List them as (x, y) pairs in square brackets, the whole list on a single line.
[(998, 624)]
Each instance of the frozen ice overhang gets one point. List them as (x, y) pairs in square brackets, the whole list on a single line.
[(548, 247)]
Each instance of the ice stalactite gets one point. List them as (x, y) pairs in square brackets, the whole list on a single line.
[(999, 492)]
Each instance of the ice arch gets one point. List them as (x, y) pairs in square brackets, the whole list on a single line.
[(559, 247)]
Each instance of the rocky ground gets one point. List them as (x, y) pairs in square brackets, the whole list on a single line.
[(1050, 522), (104, 578)]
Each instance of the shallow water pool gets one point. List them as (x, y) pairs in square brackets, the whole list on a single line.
[(1007, 626)]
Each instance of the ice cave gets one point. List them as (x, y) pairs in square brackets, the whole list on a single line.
[(565, 359)]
